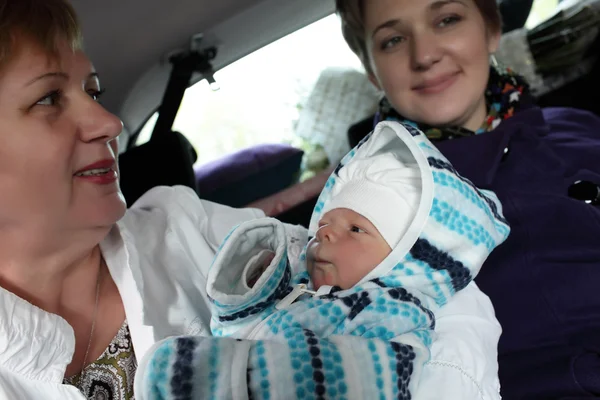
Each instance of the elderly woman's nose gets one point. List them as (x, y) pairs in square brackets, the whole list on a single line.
[(425, 50), (96, 123)]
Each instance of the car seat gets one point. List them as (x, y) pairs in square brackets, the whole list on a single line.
[(166, 160)]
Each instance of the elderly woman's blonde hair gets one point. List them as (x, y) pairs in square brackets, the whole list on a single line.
[(352, 13), (44, 22)]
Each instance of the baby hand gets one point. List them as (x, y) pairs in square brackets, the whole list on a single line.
[(256, 266)]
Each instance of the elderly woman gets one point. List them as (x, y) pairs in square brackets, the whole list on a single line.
[(88, 288), (431, 59), (77, 291)]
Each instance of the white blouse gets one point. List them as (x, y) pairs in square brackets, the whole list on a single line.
[(159, 255)]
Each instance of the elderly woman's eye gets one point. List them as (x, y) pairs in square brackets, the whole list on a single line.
[(453, 19), (96, 94), (50, 99), (388, 44)]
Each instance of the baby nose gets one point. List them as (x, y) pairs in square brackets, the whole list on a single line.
[(320, 235), (325, 234)]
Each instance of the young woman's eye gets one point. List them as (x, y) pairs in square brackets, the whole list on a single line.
[(50, 99), (96, 94), (356, 229), (451, 20), (388, 44)]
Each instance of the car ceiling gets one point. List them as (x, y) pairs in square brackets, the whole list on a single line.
[(129, 40)]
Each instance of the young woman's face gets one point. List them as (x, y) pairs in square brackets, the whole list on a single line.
[(431, 58), (58, 148)]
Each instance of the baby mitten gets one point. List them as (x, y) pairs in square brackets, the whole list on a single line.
[(249, 274)]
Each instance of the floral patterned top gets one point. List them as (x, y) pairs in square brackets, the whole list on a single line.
[(110, 377)]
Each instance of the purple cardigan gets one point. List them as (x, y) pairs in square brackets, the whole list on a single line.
[(544, 281)]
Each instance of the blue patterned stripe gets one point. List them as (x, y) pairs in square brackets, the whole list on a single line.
[(426, 146), (404, 296), (325, 377), (377, 369), (334, 373), (455, 221), (439, 296), (460, 275), (213, 365), (424, 336), (182, 371), (323, 197), (476, 198), (301, 362), (399, 295), (413, 130), (356, 303), (263, 370), (316, 362), (402, 358), (156, 372), (391, 301), (441, 164)]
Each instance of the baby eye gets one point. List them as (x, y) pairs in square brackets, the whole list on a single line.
[(356, 229)]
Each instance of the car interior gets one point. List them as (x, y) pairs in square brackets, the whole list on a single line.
[(247, 101), (252, 103)]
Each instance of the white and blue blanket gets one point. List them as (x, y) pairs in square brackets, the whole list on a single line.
[(309, 349)]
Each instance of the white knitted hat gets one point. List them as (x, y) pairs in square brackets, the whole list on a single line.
[(381, 188)]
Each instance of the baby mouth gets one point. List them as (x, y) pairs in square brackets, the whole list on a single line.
[(323, 265)]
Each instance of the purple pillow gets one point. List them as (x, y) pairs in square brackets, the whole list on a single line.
[(249, 174)]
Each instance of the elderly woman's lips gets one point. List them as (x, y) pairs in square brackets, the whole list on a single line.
[(436, 85), (99, 176), (108, 163), (101, 172)]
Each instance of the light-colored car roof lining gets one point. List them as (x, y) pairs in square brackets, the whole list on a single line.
[(129, 41)]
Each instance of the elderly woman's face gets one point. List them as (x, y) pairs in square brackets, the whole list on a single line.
[(58, 153), (431, 58)]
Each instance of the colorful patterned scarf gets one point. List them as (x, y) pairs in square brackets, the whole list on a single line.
[(507, 93)]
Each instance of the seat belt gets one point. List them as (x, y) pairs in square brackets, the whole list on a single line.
[(184, 66)]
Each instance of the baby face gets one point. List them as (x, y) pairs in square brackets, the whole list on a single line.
[(346, 248)]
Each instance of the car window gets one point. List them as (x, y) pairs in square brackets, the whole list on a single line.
[(263, 95), (540, 11)]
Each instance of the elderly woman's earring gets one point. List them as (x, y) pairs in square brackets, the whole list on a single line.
[(494, 62)]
